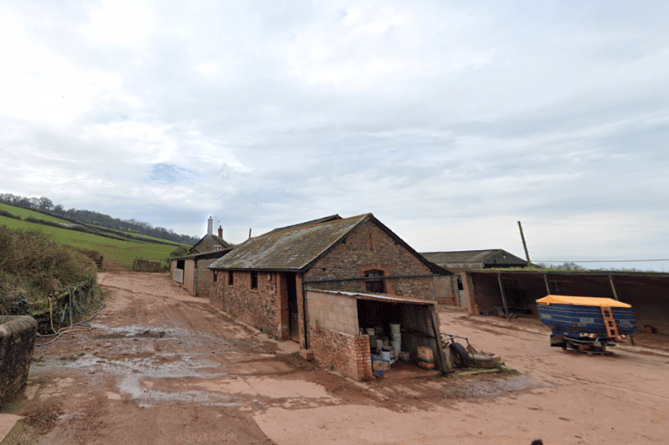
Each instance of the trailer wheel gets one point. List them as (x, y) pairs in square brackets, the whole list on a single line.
[(460, 355)]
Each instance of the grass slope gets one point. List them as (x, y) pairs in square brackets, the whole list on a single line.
[(121, 252)]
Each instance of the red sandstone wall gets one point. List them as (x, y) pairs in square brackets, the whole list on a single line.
[(366, 248)]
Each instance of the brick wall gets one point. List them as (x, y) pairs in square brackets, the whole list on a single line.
[(348, 354), (368, 248), (17, 340)]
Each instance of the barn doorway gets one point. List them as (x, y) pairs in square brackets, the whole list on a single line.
[(293, 318)]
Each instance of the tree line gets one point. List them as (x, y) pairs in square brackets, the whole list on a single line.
[(45, 205)]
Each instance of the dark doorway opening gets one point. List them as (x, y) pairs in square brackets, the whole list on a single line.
[(293, 320)]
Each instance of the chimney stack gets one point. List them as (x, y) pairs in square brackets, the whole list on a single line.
[(210, 226), (220, 232)]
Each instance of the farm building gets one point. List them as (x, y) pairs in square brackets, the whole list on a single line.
[(489, 290), (458, 262), (191, 270), (322, 281)]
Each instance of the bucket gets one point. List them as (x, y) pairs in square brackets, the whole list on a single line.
[(397, 347), (385, 354), (425, 354), (394, 328)]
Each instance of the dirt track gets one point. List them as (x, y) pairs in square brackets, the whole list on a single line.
[(161, 367)]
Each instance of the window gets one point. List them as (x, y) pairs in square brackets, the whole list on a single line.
[(217, 247), (254, 280), (230, 278), (215, 276), (374, 281)]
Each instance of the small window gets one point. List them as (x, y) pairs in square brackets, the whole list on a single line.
[(374, 281), (230, 278), (254, 280), (215, 276), (217, 247)]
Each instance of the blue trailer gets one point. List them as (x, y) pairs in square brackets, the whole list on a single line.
[(586, 324)]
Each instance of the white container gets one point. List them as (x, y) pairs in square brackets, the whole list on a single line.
[(397, 347), (385, 354), (396, 336), (394, 328)]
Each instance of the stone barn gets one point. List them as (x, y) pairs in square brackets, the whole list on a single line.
[(264, 281)]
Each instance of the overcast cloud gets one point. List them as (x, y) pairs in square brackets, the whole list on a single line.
[(450, 121)]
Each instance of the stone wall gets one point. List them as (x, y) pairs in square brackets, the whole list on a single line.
[(17, 340), (258, 307), (368, 247), (140, 265)]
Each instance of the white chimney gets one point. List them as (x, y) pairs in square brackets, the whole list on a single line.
[(210, 226)]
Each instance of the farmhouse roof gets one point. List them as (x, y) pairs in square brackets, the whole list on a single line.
[(217, 239), (297, 247), (487, 258)]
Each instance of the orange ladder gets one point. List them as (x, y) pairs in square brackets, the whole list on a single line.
[(609, 322)]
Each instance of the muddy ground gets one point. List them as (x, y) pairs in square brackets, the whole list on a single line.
[(160, 367)]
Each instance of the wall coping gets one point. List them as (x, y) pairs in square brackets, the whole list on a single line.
[(13, 324)]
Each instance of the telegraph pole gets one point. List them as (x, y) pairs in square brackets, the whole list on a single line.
[(527, 254)]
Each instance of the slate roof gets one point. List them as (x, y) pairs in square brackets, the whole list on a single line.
[(288, 249), (296, 247), (487, 258), (204, 255), (309, 223), (223, 243)]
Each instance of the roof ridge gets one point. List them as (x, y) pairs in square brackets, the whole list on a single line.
[(292, 229)]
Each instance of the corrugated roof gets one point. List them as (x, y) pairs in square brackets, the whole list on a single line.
[(488, 257), (386, 298), (289, 249)]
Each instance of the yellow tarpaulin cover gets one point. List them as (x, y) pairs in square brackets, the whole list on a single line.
[(582, 301)]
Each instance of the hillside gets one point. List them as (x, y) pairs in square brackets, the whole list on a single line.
[(120, 247)]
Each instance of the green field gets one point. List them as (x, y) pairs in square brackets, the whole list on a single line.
[(121, 252)]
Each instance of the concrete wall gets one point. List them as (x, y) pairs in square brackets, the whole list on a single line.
[(334, 312), (17, 340), (189, 275), (204, 280)]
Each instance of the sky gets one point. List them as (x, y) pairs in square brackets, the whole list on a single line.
[(449, 121)]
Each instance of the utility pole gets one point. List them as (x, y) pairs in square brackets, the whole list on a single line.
[(527, 254)]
